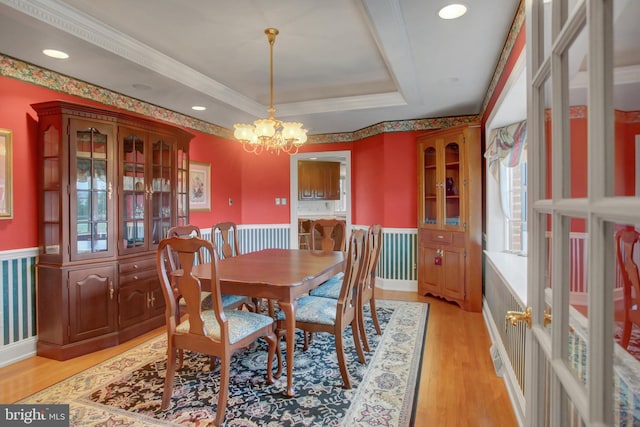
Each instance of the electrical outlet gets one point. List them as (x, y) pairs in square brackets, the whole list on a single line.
[(230, 201)]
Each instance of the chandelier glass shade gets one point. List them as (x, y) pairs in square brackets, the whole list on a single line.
[(271, 134)]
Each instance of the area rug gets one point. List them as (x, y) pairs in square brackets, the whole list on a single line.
[(127, 390)]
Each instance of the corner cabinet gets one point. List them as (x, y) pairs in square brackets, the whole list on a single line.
[(110, 186), (450, 215)]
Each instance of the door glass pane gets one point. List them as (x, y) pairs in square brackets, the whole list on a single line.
[(83, 174), (577, 133), (430, 186), (626, 98), (100, 174), (547, 144), (84, 205), (576, 278), (452, 185)]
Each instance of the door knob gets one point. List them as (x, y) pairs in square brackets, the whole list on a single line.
[(514, 317)]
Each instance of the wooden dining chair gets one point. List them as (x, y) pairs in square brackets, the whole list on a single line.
[(627, 241), (328, 234), (228, 301), (216, 332), (228, 232), (331, 288), (317, 314)]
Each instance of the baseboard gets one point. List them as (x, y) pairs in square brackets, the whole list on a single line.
[(397, 285), (509, 377), (17, 351)]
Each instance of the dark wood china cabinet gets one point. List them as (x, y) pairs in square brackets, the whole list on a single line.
[(450, 215), (111, 185)]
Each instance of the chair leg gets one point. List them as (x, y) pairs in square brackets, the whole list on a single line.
[(274, 346), (626, 331), (278, 373), (363, 332), (356, 339), (169, 377), (341, 360), (223, 392), (374, 315)]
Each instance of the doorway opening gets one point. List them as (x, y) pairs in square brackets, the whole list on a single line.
[(322, 209)]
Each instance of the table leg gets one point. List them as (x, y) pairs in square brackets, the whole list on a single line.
[(289, 309)]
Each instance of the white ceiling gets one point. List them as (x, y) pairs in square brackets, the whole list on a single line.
[(339, 65)]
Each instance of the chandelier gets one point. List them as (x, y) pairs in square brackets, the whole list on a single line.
[(271, 134)]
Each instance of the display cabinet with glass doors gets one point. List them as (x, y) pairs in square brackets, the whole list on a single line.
[(449, 215), (111, 185)]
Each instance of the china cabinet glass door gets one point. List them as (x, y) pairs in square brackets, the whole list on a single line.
[(452, 186), (431, 186), (442, 186), (161, 186), (182, 186), (134, 192), (91, 207)]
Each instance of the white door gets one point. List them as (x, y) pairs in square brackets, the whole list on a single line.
[(581, 105)]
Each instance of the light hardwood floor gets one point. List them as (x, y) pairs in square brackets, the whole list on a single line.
[(458, 385)]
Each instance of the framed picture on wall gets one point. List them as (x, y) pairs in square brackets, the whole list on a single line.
[(6, 175), (199, 187)]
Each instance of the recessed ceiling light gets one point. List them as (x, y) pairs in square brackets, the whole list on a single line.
[(452, 11), (198, 108), (57, 54)]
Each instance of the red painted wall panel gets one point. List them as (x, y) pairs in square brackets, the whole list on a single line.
[(400, 180), (264, 177), (369, 179)]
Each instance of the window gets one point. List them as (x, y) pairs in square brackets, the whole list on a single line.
[(513, 196)]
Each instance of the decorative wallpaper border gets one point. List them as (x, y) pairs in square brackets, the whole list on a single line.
[(29, 73)]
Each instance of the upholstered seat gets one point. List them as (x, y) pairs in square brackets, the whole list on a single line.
[(330, 288), (241, 324), (314, 310)]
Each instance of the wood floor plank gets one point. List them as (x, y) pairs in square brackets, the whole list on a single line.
[(458, 385)]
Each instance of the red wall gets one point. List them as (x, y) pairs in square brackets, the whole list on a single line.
[(383, 173)]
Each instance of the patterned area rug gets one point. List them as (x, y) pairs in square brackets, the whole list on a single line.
[(127, 390)]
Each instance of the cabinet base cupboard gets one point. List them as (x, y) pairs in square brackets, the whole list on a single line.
[(110, 186), (450, 215)]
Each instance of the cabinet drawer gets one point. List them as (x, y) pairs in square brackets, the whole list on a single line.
[(137, 276), (441, 237), (138, 265)]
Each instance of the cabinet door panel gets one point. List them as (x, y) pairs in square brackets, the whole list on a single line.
[(431, 272), (92, 304), (453, 283), (132, 303)]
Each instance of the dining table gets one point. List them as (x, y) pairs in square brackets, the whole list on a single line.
[(283, 275)]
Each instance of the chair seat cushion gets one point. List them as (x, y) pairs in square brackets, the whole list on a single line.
[(241, 324), (329, 289), (207, 303), (312, 309)]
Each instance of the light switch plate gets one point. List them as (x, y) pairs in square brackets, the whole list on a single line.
[(277, 201)]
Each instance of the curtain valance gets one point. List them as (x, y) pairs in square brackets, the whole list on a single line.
[(507, 145)]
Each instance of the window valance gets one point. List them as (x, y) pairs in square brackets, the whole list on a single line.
[(507, 146)]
